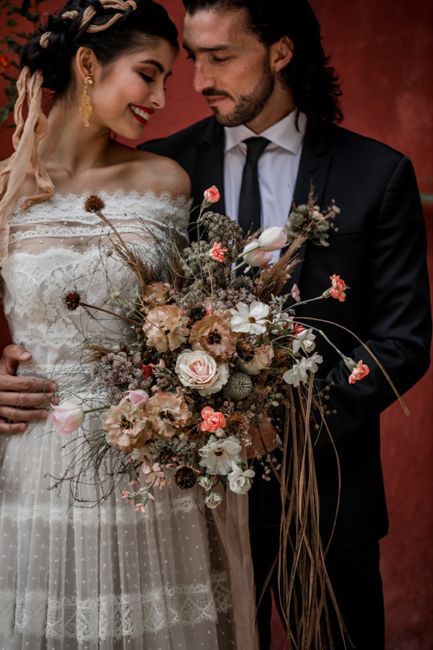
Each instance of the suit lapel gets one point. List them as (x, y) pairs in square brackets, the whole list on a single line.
[(313, 169), (210, 163)]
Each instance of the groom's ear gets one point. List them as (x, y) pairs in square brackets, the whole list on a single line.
[(281, 53), (86, 64)]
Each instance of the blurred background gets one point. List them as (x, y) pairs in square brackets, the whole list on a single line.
[(383, 53)]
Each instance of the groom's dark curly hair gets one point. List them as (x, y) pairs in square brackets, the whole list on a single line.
[(313, 82)]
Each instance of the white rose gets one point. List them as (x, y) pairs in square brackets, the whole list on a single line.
[(197, 369), (240, 481), (213, 500)]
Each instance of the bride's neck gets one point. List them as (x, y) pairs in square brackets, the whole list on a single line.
[(69, 145)]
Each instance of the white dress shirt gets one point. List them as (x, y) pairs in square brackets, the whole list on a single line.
[(277, 167)]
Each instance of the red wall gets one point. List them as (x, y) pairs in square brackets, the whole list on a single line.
[(383, 53)]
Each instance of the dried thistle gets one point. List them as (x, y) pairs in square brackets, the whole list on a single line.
[(72, 300), (185, 477), (94, 203)]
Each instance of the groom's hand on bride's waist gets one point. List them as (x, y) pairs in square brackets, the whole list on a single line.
[(23, 399)]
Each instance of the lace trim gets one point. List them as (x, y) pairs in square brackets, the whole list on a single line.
[(70, 232), (112, 616), (124, 514), (60, 206)]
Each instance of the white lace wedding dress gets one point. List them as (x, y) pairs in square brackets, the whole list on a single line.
[(104, 577)]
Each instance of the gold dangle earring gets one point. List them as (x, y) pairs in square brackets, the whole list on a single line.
[(86, 107)]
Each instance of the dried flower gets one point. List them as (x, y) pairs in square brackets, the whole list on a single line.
[(214, 335), (239, 386), (94, 203), (156, 293), (166, 327), (127, 426), (197, 313), (198, 370), (72, 300), (251, 319), (218, 456), (185, 477)]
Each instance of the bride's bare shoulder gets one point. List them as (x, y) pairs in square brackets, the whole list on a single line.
[(151, 172)]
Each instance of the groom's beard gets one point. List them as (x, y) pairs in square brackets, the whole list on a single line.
[(248, 106)]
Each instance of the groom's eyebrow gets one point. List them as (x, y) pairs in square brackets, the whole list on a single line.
[(210, 48)]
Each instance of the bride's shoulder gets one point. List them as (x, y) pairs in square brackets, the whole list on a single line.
[(150, 172)]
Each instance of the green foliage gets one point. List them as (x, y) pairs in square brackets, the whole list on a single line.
[(20, 19)]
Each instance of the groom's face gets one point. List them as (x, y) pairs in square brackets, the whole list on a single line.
[(232, 67)]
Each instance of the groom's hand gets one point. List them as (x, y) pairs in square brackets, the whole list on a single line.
[(22, 399)]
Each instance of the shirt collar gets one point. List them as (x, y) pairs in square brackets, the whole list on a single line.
[(284, 133)]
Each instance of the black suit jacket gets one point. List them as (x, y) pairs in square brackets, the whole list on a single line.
[(379, 250)]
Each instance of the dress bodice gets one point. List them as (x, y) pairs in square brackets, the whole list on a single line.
[(57, 247)]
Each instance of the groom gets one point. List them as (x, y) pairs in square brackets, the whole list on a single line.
[(261, 67)]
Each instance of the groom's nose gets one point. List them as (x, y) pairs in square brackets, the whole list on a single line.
[(202, 79)]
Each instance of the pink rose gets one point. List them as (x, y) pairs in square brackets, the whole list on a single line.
[(211, 195), (198, 370), (66, 416), (212, 420)]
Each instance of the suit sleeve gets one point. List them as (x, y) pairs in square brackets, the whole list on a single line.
[(398, 317)]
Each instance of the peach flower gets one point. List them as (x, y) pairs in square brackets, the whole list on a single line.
[(338, 288), (262, 359), (127, 426), (217, 252), (168, 413), (214, 335), (166, 328)]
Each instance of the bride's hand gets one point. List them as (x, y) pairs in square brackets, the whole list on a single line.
[(22, 399)]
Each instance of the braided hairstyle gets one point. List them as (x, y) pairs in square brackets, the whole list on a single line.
[(108, 27), (313, 82)]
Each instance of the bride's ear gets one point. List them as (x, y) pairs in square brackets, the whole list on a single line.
[(85, 63)]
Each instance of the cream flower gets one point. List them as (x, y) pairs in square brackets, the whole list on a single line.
[(213, 500), (299, 372), (254, 255), (262, 359), (240, 481), (198, 370), (219, 456), (251, 319), (166, 328), (304, 340), (273, 238), (168, 412)]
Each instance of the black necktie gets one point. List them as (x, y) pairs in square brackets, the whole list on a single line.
[(249, 198)]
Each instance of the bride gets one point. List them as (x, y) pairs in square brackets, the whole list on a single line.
[(74, 578)]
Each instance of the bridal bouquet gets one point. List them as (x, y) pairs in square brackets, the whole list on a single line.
[(216, 370), (216, 353)]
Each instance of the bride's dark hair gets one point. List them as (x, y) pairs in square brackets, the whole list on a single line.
[(109, 28)]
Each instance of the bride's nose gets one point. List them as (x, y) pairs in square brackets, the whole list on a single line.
[(157, 96)]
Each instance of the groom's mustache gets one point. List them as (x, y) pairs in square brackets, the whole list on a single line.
[(214, 92)]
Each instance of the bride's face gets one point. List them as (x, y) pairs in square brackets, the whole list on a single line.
[(128, 90)]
